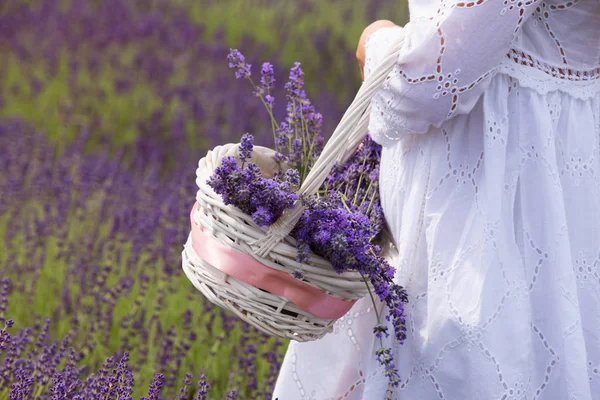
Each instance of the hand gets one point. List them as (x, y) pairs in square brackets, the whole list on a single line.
[(369, 30)]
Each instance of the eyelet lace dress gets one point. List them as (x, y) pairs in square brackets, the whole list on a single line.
[(490, 184)]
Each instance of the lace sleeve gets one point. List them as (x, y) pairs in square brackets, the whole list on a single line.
[(446, 63)]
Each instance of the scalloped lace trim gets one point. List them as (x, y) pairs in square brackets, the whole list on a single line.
[(534, 75)]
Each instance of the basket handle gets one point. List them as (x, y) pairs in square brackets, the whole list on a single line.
[(346, 137)]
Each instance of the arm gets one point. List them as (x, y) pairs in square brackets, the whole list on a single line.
[(445, 65)]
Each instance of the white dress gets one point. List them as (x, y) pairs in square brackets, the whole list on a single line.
[(490, 179)]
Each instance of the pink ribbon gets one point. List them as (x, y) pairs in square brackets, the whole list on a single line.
[(247, 269)]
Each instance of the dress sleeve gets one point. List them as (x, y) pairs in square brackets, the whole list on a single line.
[(444, 66)]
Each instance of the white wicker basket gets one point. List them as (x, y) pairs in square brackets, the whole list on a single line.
[(275, 314)]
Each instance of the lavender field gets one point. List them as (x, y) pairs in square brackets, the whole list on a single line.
[(105, 108)]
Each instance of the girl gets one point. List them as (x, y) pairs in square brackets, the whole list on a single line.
[(490, 179)]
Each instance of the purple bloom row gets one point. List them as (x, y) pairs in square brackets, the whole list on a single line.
[(93, 242), (92, 239), (157, 61)]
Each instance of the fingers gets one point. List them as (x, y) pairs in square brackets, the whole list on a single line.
[(360, 49)]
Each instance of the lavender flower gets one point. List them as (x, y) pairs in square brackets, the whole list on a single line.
[(295, 86), (183, 392), (264, 199), (298, 274), (263, 216), (380, 330), (341, 223), (246, 146), (267, 79), (238, 62), (270, 100), (155, 387), (85, 218), (110, 328), (202, 389)]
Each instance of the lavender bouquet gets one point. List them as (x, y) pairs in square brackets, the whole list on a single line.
[(342, 222)]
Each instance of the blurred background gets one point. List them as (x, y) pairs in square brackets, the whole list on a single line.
[(105, 108)]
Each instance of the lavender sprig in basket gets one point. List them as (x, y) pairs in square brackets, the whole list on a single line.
[(288, 239)]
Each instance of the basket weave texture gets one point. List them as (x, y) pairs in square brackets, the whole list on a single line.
[(272, 314), (275, 248)]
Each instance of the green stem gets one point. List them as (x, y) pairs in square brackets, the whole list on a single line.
[(274, 124), (359, 182), (212, 354), (344, 197), (305, 151), (374, 305), (290, 140), (346, 191), (371, 203), (38, 391), (357, 187), (367, 193), (308, 155)]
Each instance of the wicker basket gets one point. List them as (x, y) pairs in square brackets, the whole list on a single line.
[(226, 229)]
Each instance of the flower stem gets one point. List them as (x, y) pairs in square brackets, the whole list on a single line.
[(274, 124), (305, 152), (371, 203), (359, 182), (374, 305)]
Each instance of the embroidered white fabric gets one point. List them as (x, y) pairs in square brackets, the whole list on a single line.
[(490, 126)]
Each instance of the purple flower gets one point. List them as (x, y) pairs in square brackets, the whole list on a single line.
[(264, 199), (155, 387), (267, 78), (385, 358), (342, 222), (184, 390), (292, 176), (298, 274), (297, 152), (202, 388), (238, 62), (110, 325), (262, 216), (380, 330), (295, 85), (246, 146), (269, 100)]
